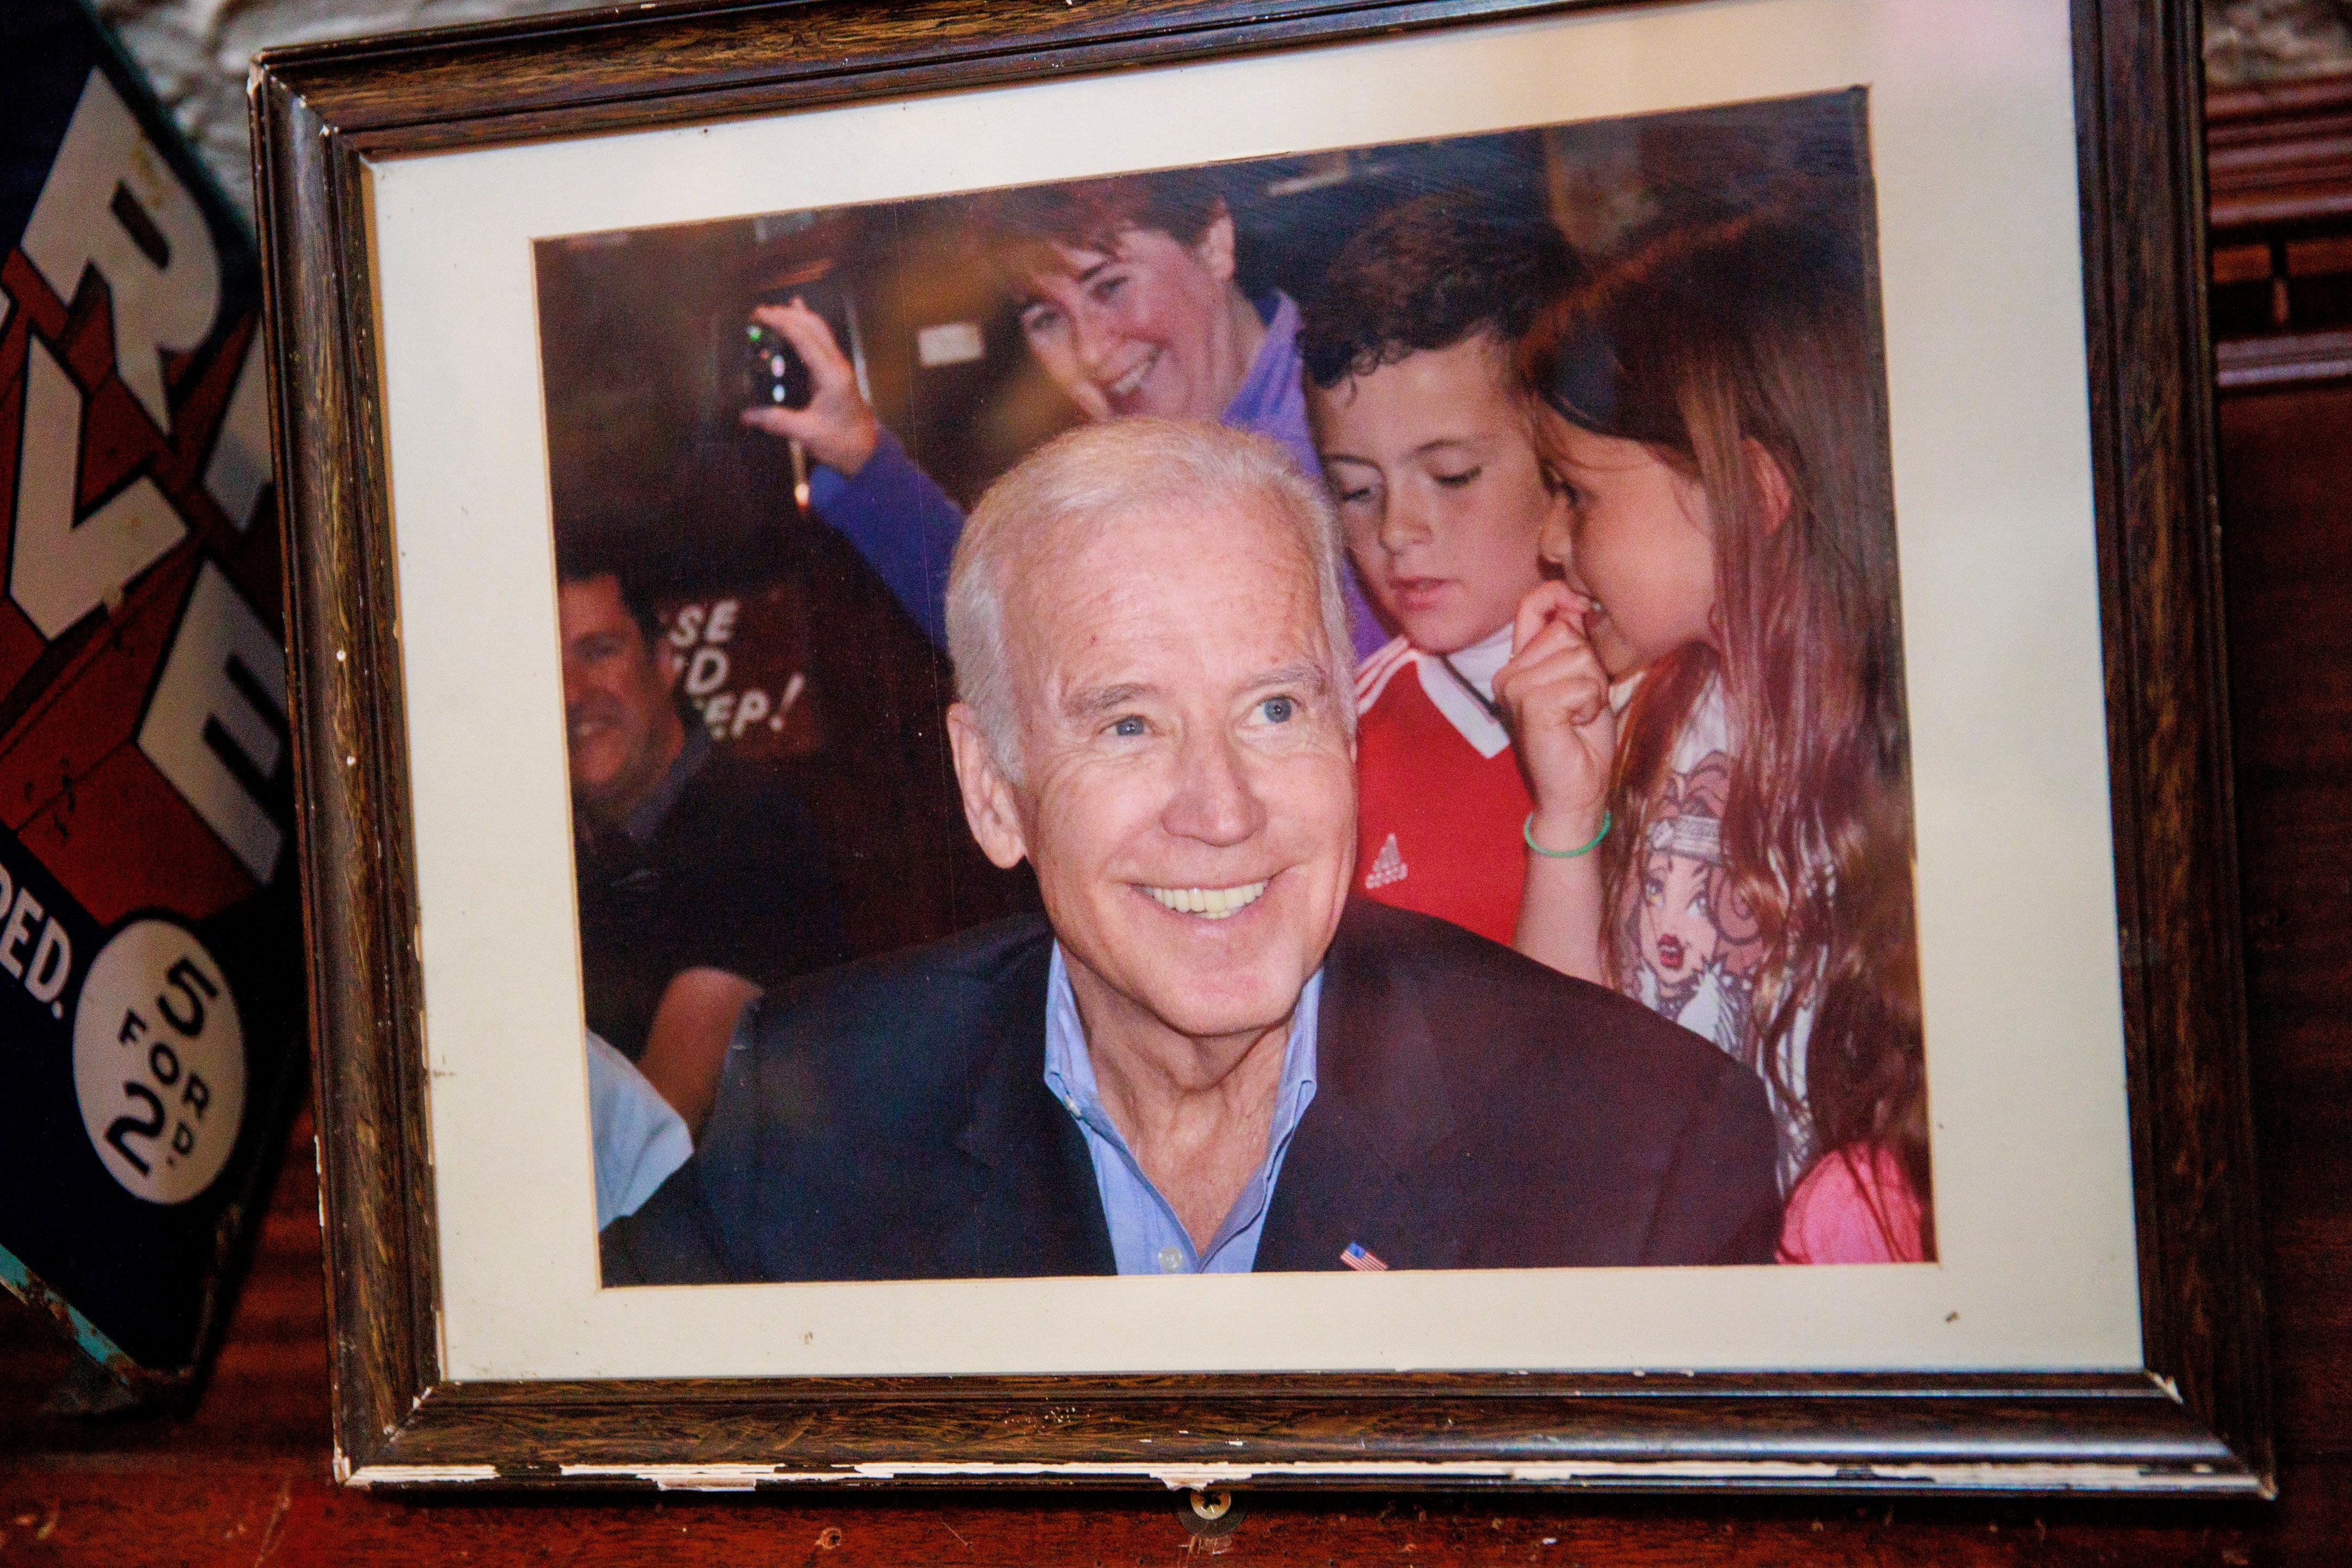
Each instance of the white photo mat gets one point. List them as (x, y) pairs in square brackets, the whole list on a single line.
[(1972, 139)]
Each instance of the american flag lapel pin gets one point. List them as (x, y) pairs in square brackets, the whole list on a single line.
[(1363, 1262)]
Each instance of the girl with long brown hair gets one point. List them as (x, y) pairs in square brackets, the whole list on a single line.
[(1733, 846)]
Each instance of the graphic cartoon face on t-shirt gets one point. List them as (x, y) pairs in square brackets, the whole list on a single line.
[(1678, 938), (1685, 942), (1693, 935)]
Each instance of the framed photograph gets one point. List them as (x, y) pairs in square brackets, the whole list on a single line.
[(636, 376)]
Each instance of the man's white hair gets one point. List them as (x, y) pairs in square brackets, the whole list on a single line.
[(1094, 475)]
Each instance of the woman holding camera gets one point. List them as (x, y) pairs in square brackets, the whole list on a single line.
[(1128, 297)]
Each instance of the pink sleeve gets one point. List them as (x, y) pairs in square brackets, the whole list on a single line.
[(1854, 1206)]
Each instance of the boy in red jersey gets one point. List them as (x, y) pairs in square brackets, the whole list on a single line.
[(1427, 443)]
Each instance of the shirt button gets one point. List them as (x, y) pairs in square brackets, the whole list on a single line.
[(1171, 1260)]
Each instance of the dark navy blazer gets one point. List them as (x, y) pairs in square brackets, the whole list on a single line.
[(1472, 1109)]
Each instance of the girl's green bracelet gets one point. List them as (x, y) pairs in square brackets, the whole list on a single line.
[(1527, 832)]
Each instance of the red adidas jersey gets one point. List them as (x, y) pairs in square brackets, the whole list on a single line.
[(1438, 818)]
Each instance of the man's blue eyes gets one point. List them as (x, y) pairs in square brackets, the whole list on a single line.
[(1277, 710)]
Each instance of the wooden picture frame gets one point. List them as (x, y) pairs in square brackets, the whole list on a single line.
[(2192, 1417)]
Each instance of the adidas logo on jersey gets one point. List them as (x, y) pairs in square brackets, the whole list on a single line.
[(1387, 866)]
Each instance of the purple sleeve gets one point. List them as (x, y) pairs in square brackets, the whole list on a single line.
[(902, 522)]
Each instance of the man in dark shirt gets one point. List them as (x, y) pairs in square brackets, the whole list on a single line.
[(701, 879)]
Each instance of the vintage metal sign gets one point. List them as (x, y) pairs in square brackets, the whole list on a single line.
[(149, 999)]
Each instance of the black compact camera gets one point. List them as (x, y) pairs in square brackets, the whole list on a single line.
[(780, 377), (774, 374)]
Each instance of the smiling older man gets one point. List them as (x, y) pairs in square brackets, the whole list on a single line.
[(1203, 1058)]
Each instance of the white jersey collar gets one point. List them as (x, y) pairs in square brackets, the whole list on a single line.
[(1478, 665)]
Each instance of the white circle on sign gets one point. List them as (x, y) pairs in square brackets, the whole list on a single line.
[(159, 1061)]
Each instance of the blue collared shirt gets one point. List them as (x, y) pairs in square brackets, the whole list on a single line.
[(1146, 1237), (639, 1140)]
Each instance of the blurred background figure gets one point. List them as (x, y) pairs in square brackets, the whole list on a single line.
[(701, 879), (1127, 293)]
